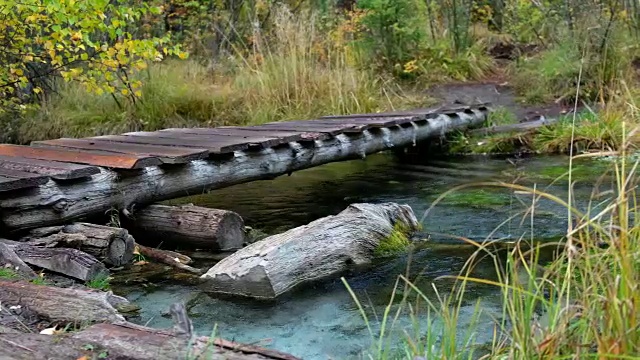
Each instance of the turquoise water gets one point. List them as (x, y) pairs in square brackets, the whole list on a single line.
[(322, 321)]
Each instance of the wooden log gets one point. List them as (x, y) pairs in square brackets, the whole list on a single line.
[(189, 226), (321, 249), (168, 257), (113, 246), (129, 341), (71, 262), (64, 305), (52, 204), (9, 258)]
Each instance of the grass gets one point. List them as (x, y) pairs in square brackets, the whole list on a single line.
[(584, 303), (7, 273), (99, 283), (300, 76)]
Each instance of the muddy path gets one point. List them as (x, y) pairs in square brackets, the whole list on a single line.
[(500, 95)]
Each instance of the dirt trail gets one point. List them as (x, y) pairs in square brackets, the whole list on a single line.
[(497, 94)]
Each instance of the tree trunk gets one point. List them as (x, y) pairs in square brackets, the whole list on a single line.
[(63, 305), (323, 248), (71, 262), (188, 226), (113, 246)]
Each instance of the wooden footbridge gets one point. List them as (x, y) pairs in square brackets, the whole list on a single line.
[(55, 181)]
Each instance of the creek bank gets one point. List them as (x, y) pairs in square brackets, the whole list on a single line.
[(323, 248)]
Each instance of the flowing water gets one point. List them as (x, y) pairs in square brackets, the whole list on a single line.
[(322, 321)]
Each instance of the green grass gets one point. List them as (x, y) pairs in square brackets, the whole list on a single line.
[(99, 283), (583, 303), (7, 273)]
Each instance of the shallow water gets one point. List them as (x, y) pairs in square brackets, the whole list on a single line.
[(322, 321)]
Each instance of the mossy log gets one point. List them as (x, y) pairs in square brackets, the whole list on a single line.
[(188, 226), (323, 248), (113, 246), (64, 305)]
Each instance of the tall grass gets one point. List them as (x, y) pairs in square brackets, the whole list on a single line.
[(295, 73), (583, 304)]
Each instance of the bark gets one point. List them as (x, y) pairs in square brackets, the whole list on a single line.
[(9, 258), (171, 258), (55, 203), (64, 305), (321, 249), (70, 262), (113, 246), (132, 342), (189, 226)]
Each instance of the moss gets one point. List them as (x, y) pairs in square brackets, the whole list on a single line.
[(395, 243), (478, 198)]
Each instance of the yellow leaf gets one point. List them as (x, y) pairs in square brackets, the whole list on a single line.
[(124, 92), (138, 93), (37, 90), (183, 55), (19, 72)]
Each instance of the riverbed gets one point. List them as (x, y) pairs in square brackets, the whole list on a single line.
[(322, 321)]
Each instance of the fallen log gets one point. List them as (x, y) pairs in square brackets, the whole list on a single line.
[(63, 305), (188, 226), (9, 258), (129, 341), (71, 262), (322, 248), (55, 203), (171, 258), (113, 246)]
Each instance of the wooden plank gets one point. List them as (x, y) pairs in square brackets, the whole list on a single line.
[(166, 154), (304, 135), (214, 145), (216, 142), (97, 158), (375, 122), (12, 180), (56, 170), (309, 125), (424, 112), (248, 132)]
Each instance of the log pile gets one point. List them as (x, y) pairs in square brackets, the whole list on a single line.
[(323, 248), (112, 337)]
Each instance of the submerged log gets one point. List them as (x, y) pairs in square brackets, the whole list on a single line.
[(54, 203), (63, 304), (189, 226), (129, 341), (322, 248), (113, 246), (70, 262)]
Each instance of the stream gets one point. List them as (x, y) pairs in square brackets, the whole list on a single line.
[(322, 321)]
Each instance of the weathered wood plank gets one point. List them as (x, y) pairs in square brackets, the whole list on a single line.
[(166, 154), (214, 142), (303, 134), (309, 125), (247, 133), (211, 146), (98, 158), (423, 112), (376, 121), (55, 170), (107, 190), (13, 179)]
